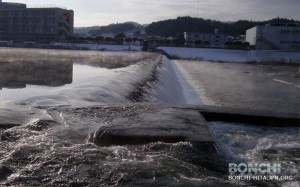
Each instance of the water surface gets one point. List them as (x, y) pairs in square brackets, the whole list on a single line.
[(56, 99)]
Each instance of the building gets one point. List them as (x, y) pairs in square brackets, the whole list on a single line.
[(275, 37), (19, 23), (207, 39)]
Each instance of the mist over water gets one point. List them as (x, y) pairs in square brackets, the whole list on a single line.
[(54, 100), (66, 75)]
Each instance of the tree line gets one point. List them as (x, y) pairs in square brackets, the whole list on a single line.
[(117, 38), (115, 28), (172, 27)]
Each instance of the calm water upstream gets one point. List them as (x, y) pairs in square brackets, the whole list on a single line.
[(54, 99)]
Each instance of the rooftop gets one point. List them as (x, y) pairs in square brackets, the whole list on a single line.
[(47, 6), (8, 5)]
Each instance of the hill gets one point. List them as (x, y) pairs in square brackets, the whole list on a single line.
[(117, 28), (172, 27), (85, 30)]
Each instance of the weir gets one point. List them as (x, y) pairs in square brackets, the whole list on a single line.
[(175, 123), (189, 120), (155, 123), (133, 122)]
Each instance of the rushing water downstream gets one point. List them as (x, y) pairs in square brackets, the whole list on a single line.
[(60, 97)]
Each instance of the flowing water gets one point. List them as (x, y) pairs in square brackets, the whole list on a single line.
[(52, 100)]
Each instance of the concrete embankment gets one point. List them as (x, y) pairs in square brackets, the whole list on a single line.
[(225, 55), (244, 86), (247, 116)]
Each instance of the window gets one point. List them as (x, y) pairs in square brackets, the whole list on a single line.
[(39, 30), (40, 21), (51, 21), (284, 42)]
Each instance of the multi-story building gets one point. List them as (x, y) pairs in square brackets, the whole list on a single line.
[(275, 37), (17, 22), (207, 39)]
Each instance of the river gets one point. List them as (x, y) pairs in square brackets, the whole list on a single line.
[(52, 100)]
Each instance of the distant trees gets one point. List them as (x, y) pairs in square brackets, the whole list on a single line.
[(108, 39), (180, 38), (176, 42), (96, 39), (206, 43), (113, 28), (245, 45), (237, 45), (198, 43), (135, 39), (72, 38), (228, 44), (128, 40), (189, 43), (119, 37), (171, 27), (168, 41)]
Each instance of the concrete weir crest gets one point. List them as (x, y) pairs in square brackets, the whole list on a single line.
[(170, 125)]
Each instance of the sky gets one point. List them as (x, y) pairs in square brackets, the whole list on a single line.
[(104, 12)]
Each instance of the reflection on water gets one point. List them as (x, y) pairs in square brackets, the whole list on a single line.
[(27, 73), (19, 74)]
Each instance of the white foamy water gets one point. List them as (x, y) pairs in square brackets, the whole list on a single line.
[(244, 143)]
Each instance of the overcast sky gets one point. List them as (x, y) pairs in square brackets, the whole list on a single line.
[(103, 12)]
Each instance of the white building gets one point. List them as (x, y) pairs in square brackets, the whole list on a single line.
[(275, 37), (208, 39)]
